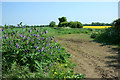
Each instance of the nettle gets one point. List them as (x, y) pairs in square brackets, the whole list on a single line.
[(31, 47)]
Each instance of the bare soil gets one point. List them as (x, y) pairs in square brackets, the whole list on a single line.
[(93, 59)]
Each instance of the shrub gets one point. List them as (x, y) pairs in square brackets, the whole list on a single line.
[(52, 24), (63, 24), (75, 24), (116, 23)]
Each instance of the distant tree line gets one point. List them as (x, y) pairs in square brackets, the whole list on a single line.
[(98, 24)]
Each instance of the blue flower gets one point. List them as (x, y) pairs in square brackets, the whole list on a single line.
[(36, 47), (29, 31), (2, 29), (51, 53), (46, 32), (42, 49), (38, 50), (37, 30), (23, 37), (20, 35), (34, 34), (28, 38)]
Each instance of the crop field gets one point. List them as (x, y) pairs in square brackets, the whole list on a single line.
[(96, 27)]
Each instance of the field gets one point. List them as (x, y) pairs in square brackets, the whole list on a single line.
[(45, 52), (96, 27)]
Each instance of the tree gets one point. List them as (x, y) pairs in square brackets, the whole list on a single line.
[(62, 22), (63, 19), (52, 24), (116, 23)]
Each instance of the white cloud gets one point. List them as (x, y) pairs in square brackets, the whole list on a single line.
[(59, 0)]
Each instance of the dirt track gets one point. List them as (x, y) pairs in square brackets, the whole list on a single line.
[(93, 59)]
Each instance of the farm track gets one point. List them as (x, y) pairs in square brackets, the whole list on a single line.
[(91, 57)]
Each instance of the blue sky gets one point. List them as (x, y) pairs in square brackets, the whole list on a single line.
[(40, 13)]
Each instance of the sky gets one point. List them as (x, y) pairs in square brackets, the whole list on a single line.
[(42, 13)]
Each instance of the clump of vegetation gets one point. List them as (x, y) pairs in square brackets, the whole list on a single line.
[(116, 23), (62, 22), (31, 53), (110, 35), (75, 24), (52, 24)]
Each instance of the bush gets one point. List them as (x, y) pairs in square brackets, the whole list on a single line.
[(35, 53), (63, 24), (52, 24), (116, 23), (75, 24)]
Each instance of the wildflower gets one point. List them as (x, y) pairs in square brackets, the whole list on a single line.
[(35, 46), (38, 50), (42, 38), (34, 34), (31, 34), (50, 47), (38, 39), (37, 30), (56, 41), (29, 31), (48, 44), (51, 53), (42, 49), (31, 28), (17, 45), (20, 35), (2, 29), (46, 32), (0, 37), (55, 73), (52, 70), (51, 38), (28, 38), (23, 37), (11, 46), (64, 77), (18, 25)]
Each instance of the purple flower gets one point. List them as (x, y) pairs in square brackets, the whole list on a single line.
[(31, 34), (29, 31), (46, 32), (51, 38), (38, 50), (23, 37), (31, 28), (34, 34), (0, 37), (36, 47), (50, 47), (28, 38), (2, 29), (42, 49), (48, 44), (17, 45), (37, 30), (56, 41), (20, 35), (11, 46), (18, 25), (38, 39), (42, 38), (51, 53)]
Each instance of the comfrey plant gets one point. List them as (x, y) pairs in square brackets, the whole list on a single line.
[(31, 47)]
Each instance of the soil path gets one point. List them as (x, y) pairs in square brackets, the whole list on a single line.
[(92, 58)]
